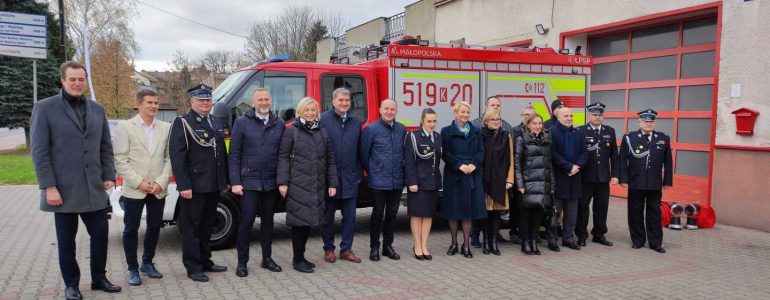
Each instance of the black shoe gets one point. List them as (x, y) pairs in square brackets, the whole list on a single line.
[(241, 270), (572, 246), (466, 251), (452, 250), (105, 286), (312, 265), (72, 293), (485, 246), (637, 246), (215, 268), (150, 270), (374, 254), (658, 249), (533, 246), (495, 250), (502, 240), (199, 277), (134, 279), (427, 257), (526, 247), (602, 240), (418, 257), (269, 264), (302, 266), (581, 243), (390, 252), (553, 247)]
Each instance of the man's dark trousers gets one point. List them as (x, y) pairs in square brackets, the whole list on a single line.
[(197, 217), (253, 202), (638, 220), (66, 230), (132, 219), (386, 201), (348, 210), (600, 193)]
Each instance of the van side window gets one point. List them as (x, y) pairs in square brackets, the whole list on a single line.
[(356, 86), (242, 101), (286, 92)]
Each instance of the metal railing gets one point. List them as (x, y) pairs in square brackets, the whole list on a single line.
[(395, 27)]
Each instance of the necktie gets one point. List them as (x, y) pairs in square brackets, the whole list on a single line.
[(207, 123), (646, 137)]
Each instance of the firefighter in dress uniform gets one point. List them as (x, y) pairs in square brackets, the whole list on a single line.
[(600, 170), (645, 169), (199, 162)]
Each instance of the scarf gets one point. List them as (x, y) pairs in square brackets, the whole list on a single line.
[(465, 129), (497, 161), (308, 125)]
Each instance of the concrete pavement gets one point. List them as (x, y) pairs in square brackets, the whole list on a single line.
[(721, 263)]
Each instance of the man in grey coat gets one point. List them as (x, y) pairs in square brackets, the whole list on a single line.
[(72, 154)]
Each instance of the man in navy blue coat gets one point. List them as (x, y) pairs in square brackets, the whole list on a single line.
[(382, 155), (569, 156), (344, 130)]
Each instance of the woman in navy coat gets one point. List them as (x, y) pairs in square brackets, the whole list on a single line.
[(422, 155), (463, 197)]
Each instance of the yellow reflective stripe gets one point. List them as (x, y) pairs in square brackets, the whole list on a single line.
[(227, 145), (406, 122), (556, 84), (578, 118), (541, 110), (440, 76)]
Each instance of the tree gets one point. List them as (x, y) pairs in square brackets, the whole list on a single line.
[(219, 60), (317, 33), (287, 33), (111, 70), (16, 72), (105, 18)]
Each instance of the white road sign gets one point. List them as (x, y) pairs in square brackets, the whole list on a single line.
[(23, 35)]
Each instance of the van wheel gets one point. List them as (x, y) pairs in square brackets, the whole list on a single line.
[(225, 229)]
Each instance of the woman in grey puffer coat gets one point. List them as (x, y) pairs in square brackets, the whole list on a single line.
[(534, 179), (306, 174)]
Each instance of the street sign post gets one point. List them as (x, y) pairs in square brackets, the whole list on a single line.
[(24, 35)]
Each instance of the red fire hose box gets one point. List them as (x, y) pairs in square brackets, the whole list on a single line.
[(744, 120)]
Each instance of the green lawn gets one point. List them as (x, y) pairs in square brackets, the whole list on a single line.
[(16, 169)]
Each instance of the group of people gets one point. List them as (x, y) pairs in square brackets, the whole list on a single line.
[(535, 170)]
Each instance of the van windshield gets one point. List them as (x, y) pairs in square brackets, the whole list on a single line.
[(286, 92), (230, 84)]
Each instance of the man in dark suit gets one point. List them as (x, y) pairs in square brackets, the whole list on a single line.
[(72, 154), (199, 162), (645, 169), (569, 156), (600, 170)]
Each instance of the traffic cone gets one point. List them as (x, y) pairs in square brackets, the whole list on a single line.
[(691, 210), (676, 216)]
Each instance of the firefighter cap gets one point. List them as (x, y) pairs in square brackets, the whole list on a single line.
[(596, 108), (556, 104), (200, 91), (648, 115)]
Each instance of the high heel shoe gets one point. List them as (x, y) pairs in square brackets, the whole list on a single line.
[(534, 248), (418, 257), (485, 245), (427, 257), (526, 247), (495, 250), (452, 250), (466, 252)]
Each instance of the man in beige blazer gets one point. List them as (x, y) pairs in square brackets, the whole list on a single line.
[(141, 158)]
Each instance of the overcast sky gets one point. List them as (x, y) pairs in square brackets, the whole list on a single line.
[(159, 34)]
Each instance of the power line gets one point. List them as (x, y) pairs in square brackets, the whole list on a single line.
[(190, 20)]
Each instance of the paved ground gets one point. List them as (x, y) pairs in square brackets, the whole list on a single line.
[(721, 263), (9, 139)]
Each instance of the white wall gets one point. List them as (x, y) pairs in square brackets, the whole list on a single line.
[(744, 60)]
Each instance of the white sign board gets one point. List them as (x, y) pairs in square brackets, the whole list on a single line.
[(23, 35)]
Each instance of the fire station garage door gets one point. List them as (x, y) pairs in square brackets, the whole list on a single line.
[(669, 67)]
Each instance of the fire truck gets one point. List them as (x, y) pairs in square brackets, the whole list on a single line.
[(416, 75)]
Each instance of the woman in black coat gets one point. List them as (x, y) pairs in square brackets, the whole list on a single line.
[(306, 174), (422, 156), (535, 179), (497, 175)]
